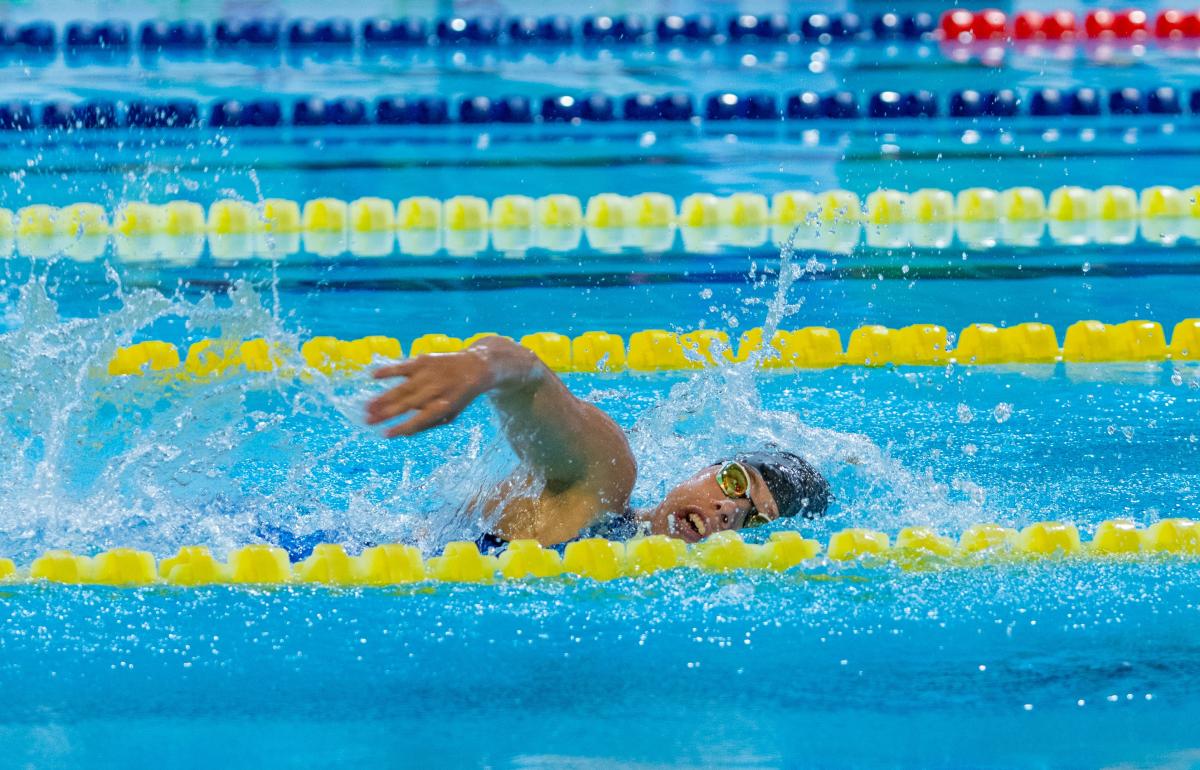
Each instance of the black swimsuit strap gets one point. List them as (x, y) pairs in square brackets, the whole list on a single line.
[(488, 543), (616, 527)]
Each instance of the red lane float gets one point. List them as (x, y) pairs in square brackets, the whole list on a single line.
[(989, 24), (1103, 24), (1099, 24), (1130, 24), (1177, 25), (956, 25), (964, 26), (1032, 25)]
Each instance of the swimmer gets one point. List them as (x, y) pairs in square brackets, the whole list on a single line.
[(577, 470)]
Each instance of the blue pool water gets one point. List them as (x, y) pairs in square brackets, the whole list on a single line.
[(1051, 664)]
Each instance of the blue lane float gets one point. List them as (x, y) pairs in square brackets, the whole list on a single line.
[(33, 37), (263, 113), (719, 107), (328, 32), (103, 35), (186, 35), (258, 33), (395, 32)]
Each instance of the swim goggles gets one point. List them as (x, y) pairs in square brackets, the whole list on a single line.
[(734, 481)]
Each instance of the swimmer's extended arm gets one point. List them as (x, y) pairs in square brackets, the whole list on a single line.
[(577, 449)]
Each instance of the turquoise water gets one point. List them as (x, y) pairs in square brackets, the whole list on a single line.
[(1093, 664), (1040, 667), (1075, 665)]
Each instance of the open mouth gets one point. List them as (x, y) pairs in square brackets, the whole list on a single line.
[(689, 524)]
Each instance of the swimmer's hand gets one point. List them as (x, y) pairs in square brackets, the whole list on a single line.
[(576, 453), (437, 387), (435, 390)]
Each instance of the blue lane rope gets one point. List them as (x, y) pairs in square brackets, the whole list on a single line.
[(720, 107), (32, 41), (189, 35)]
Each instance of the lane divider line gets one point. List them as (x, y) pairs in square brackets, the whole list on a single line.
[(603, 560), (653, 350), (835, 219), (111, 40), (724, 111)]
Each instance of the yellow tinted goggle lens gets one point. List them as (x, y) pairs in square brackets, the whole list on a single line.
[(733, 480), (756, 519)]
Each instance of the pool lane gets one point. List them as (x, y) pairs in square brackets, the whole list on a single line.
[(247, 457)]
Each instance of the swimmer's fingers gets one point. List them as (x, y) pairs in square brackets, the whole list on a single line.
[(409, 395), (437, 412), (401, 369), (436, 387), (382, 403)]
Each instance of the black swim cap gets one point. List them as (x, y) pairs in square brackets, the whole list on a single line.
[(798, 488)]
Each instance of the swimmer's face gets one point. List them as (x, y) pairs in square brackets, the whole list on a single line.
[(697, 508)]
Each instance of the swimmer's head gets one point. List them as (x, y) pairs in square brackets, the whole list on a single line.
[(747, 489)]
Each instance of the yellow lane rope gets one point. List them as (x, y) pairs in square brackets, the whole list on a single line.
[(661, 350), (371, 226), (599, 559)]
